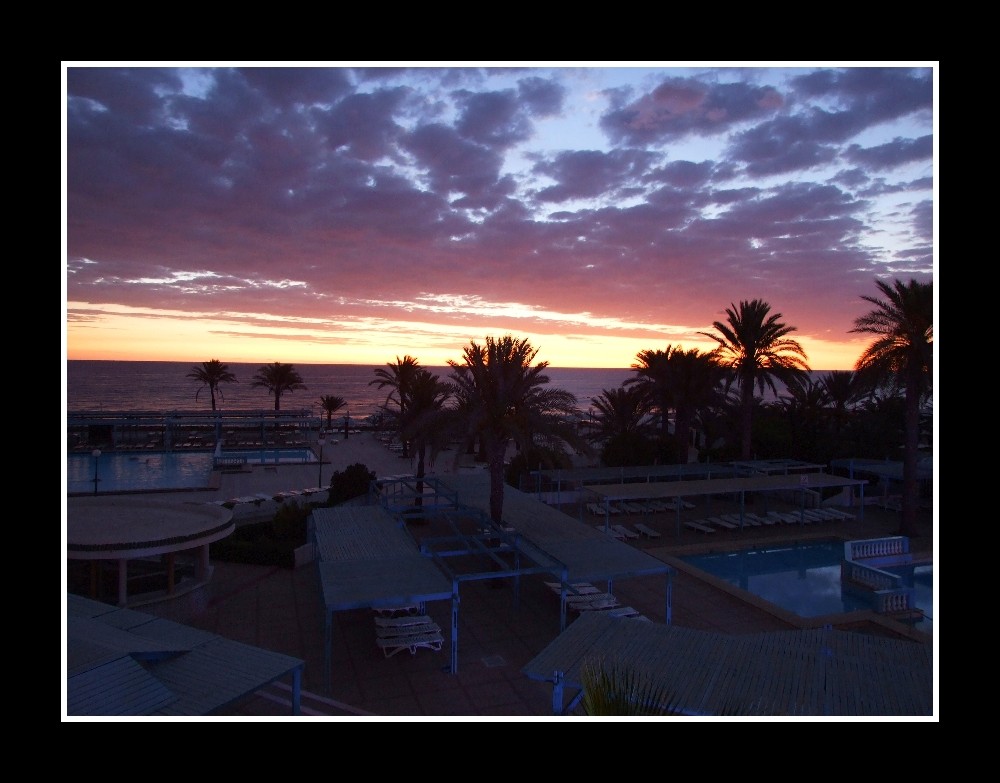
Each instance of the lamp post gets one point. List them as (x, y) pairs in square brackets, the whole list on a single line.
[(322, 443), (347, 424), (96, 454)]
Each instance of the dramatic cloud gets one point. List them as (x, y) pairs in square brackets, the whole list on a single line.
[(599, 211)]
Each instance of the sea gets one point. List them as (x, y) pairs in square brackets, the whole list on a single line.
[(92, 385)]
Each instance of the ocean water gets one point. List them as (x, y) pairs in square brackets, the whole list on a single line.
[(112, 385)]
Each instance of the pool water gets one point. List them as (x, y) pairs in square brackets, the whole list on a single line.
[(804, 578), (162, 470)]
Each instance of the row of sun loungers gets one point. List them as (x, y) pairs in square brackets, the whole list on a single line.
[(732, 521), (625, 533), (637, 507), (585, 597)]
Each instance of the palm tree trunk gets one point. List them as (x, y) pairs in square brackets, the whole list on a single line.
[(419, 502), (911, 487), (497, 481), (746, 421)]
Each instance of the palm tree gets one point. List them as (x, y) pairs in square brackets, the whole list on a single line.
[(844, 391), (902, 355), (503, 399), (331, 404), (622, 422), (623, 688), (682, 381), (212, 374), (427, 423), (754, 345), (653, 377), (398, 377), (278, 378)]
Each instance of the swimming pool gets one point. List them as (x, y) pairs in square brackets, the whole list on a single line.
[(125, 471), (804, 578)]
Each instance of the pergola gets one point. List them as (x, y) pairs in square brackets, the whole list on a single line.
[(798, 483), (367, 558)]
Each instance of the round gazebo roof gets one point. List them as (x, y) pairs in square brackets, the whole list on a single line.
[(122, 526)]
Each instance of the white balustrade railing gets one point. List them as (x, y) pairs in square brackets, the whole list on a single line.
[(887, 591)]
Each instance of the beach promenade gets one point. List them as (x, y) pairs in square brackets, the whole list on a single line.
[(282, 610)]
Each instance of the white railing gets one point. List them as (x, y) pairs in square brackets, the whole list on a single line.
[(888, 595)]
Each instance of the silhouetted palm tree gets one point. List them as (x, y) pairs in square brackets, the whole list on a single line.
[(398, 377), (754, 345), (621, 411), (623, 421), (503, 399), (684, 382), (278, 379), (330, 403), (212, 374), (902, 355), (652, 369), (428, 425)]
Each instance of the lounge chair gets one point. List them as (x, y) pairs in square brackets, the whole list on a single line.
[(389, 626), (391, 645), (720, 522), (396, 611), (648, 532), (699, 527), (578, 588), (611, 532), (622, 611), (626, 534), (592, 603), (748, 520), (395, 634), (790, 517)]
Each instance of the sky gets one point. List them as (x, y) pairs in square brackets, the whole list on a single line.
[(353, 213)]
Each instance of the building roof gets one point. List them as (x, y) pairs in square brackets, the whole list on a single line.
[(128, 663)]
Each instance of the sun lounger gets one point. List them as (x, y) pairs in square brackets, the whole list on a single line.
[(580, 588), (412, 621), (838, 514), (789, 517), (761, 520), (660, 505), (748, 521), (699, 527), (622, 611), (626, 534), (590, 598), (598, 603), (719, 522), (395, 611), (391, 645), (395, 634), (647, 531), (611, 532)]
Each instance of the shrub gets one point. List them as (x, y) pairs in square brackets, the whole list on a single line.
[(350, 483)]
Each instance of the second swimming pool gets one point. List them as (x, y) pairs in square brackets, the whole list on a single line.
[(804, 578), (131, 471)]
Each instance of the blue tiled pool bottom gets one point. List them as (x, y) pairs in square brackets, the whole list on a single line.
[(804, 578), (163, 470)]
